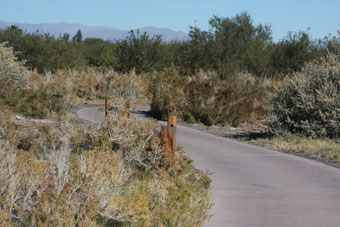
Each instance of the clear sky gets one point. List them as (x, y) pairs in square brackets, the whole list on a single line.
[(321, 16)]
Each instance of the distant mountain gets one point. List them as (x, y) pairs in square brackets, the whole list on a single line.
[(106, 33)]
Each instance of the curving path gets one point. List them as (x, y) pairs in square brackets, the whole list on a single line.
[(258, 187)]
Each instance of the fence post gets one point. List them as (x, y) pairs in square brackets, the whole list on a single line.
[(108, 104), (164, 139), (127, 107), (164, 133), (172, 123), (172, 120)]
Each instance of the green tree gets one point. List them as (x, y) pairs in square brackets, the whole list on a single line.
[(140, 52), (292, 52), (66, 36), (229, 46), (98, 52), (42, 52), (78, 37)]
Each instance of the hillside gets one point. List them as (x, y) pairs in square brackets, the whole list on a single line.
[(106, 33)]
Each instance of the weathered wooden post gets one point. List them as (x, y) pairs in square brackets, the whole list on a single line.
[(172, 123), (168, 138), (172, 120), (108, 104), (164, 133), (127, 107), (165, 140)]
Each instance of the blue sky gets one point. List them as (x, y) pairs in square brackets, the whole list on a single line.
[(322, 17)]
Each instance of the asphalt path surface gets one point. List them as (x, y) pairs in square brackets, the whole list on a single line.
[(257, 187)]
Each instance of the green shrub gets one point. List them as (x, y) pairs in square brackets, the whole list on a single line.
[(309, 102), (12, 70), (21, 95), (35, 103), (207, 99)]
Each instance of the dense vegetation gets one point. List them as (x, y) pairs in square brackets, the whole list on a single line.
[(56, 172), (60, 172), (76, 175), (235, 56), (207, 99), (308, 103), (18, 94), (230, 46)]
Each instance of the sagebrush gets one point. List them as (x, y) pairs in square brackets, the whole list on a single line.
[(205, 98), (308, 103), (61, 174), (12, 71), (41, 96)]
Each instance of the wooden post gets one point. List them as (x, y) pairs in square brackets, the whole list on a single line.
[(172, 120), (127, 107), (164, 133), (164, 138), (172, 137), (168, 153), (172, 123), (168, 138), (108, 104)]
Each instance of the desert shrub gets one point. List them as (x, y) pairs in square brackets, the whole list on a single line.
[(58, 173), (12, 70), (99, 83), (207, 99), (50, 94), (167, 93), (334, 46), (38, 102), (31, 95), (308, 103)]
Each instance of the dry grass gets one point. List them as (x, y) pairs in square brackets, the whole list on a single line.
[(322, 148), (58, 173), (62, 174), (204, 98)]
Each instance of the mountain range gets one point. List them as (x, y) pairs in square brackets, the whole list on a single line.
[(106, 33)]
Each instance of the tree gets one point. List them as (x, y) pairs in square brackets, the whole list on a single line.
[(292, 52), (98, 52), (78, 37), (229, 46), (66, 36), (139, 51)]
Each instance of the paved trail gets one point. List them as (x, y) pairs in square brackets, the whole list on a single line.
[(257, 187)]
